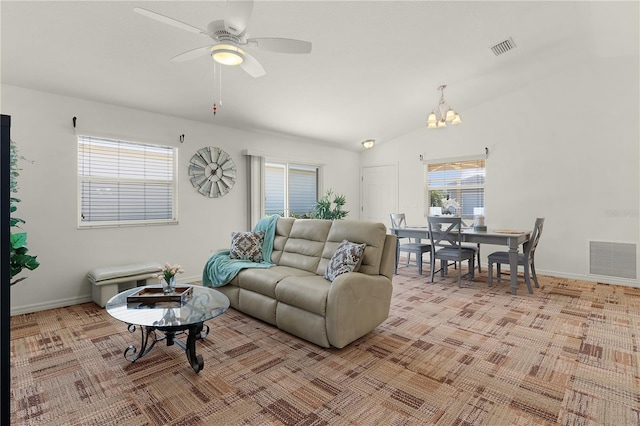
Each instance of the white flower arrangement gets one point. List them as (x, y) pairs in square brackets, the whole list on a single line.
[(450, 206), (169, 272)]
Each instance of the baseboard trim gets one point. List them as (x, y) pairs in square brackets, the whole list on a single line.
[(27, 309), (195, 280), (60, 303), (591, 278)]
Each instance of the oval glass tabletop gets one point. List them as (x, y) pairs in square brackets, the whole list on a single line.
[(205, 303)]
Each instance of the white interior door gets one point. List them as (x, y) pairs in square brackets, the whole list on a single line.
[(379, 193)]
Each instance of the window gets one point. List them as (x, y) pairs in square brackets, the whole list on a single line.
[(290, 190), (456, 186), (125, 183)]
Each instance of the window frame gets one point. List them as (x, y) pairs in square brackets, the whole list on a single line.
[(82, 178), (428, 188)]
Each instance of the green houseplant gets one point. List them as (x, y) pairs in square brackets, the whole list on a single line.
[(19, 257), (436, 198), (330, 208)]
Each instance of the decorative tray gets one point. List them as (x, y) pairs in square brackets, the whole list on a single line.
[(149, 295)]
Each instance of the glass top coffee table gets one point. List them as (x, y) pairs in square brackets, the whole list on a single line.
[(171, 318)]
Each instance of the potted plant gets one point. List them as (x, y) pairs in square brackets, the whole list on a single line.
[(19, 257), (328, 208)]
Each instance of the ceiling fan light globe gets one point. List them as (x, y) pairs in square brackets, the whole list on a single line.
[(456, 119), (227, 54), (432, 119)]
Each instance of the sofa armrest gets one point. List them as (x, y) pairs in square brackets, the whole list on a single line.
[(357, 303)]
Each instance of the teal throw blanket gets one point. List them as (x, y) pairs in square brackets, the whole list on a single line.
[(220, 269)]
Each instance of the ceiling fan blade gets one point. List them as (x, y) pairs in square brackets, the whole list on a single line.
[(281, 45), (252, 66), (192, 54), (236, 15), (170, 21)]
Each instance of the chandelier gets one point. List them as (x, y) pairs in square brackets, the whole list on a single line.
[(442, 113)]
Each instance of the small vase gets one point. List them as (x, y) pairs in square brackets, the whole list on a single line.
[(169, 287)]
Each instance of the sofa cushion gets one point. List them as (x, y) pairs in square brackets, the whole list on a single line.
[(304, 247), (283, 229), (307, 293), (247, 246), (264, 281), (346, 258), (370, 233)]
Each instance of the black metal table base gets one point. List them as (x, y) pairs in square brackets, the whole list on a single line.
[(194, 333)]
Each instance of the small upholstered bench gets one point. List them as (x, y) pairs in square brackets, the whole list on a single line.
[(106, 281)]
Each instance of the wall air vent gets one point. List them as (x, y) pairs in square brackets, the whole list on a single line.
[(612, 259), (503, 47)]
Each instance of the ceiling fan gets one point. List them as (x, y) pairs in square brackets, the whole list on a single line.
[(230, 39)]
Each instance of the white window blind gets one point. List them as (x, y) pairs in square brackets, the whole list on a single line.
[(125, 183), (274, 189), (461, 181), (303, 189), (290, 189)]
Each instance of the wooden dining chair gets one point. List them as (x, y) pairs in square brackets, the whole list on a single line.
[(446, 245), (525, 259), (417, 247)]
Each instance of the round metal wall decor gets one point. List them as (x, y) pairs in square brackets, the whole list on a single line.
[(212, 172)]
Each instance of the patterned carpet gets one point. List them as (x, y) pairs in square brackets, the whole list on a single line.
[(568, 354)]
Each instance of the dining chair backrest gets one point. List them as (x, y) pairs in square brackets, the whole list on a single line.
[(445, 231), (530, 246), (398, 220)]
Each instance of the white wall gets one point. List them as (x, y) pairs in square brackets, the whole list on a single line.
[(42, 129), (564, 148)]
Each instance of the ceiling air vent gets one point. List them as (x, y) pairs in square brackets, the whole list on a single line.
[(503, 47)]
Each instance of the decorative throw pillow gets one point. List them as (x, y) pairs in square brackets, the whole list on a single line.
[(347, 258), (247, 246)]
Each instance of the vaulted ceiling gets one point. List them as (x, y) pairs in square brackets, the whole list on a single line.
[(372, 73)]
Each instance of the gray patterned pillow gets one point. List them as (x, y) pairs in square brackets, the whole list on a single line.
[(247, 246), (347, 258)]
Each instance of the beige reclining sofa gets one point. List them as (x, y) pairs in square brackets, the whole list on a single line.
[(294, 295)]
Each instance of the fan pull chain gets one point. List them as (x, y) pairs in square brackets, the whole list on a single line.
[(219, 89), (220, 85), (215, 106)]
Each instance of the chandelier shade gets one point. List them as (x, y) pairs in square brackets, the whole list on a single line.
[(442, 113)]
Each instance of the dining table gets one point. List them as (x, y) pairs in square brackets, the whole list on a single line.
[(500, 237)]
